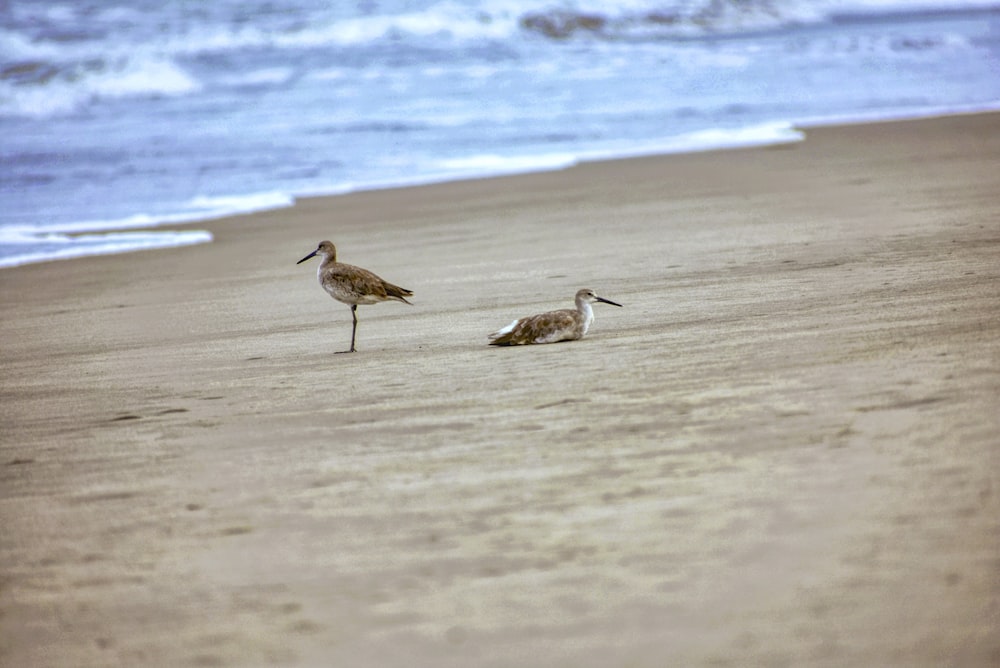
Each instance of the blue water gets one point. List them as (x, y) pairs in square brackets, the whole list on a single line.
[(118, 120)]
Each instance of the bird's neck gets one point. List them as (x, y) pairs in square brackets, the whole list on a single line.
[(587, 312)]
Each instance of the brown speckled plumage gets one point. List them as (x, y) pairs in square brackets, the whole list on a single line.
[(551, 327), (353, 285)]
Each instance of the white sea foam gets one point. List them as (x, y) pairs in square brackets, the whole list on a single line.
[(48, 247), (77, 86), (152, 76), (42, 242), (900, 114), (442, 21), (764, 134), (482, 165), (227, 205), (15, 46), (197, 209), (507, 164)]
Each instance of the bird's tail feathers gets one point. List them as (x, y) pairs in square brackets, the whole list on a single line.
[(504, 335), (399, 293)]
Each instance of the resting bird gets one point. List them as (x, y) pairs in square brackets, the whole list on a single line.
[(352, 285), (564, 325)]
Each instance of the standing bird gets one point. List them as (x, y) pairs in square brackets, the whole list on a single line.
[(352, 285), (564, 325)]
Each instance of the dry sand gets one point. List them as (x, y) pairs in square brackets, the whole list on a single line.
[(784, 450)]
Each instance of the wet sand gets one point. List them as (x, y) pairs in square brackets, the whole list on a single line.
[(783, 451)]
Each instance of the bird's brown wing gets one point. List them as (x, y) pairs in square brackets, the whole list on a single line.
[(357, 285), (542, 328)]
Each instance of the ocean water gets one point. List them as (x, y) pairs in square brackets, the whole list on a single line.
[(121, 118)]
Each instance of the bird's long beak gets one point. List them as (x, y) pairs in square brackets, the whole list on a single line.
[(307, 256), (606, 301)]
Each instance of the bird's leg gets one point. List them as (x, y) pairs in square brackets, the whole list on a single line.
[(354, 325), (354, 328)]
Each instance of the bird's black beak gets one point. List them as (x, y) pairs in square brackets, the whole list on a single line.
[(307, 256), (607, 301)]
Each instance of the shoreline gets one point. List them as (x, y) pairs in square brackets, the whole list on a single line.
[(780, 451), (724, 140)]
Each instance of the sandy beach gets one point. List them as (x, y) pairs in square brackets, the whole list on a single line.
[(784, 450)]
